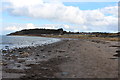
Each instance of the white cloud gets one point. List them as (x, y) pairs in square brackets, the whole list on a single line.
[(67, 26), (113, 10), (84, 27), (17, 27), (11, 28), (48, 26), (76, 30), (51, 11), (22, 3), (57, 11), (30, 26)]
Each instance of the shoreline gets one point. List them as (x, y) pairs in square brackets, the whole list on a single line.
[(30, 44), (88, 59), (74, 37)]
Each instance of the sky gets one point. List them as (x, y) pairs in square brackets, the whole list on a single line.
[(54, 14)]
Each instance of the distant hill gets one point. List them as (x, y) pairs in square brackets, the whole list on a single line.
[(39, 32)]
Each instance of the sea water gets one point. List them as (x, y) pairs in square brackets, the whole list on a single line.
[(24, 41)]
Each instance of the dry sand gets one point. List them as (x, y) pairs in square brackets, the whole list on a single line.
[(64, 59)]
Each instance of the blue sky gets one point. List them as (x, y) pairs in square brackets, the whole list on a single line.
[(91, 5), (16, 18)]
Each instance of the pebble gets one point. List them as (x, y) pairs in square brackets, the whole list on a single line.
[(64, 73), (49, 51), (44, 68), (37, 55), (44, 56)]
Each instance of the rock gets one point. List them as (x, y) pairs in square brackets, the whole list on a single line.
[(18, 65), (49, 51), (29, 65), (4, 54), (20, 61), (113, 58), (31, 62), (37, 55), (4, 64), (44, 68), (6, 47), (44, 56), (64, 73), (58, 56), (67, 56), (42, 49), (36, 58), (11, 55), (117, 55), (118, 51), (74, 75), (58, 50), (4, 51), (25, 54), (98, 46)]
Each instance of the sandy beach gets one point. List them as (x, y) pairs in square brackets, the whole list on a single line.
[(65, 59)]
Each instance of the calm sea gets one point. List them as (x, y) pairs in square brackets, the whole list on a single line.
[(24, 41)]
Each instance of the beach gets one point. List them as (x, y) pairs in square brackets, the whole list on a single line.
[(68, 58)]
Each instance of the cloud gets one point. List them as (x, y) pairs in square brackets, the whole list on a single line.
[(49, 26), (50, 10), (11, 28), (56, 11), (16, 27), (30, 26), (67, 26), (113, 10)]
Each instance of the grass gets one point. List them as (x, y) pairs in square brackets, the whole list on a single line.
[(83, 37)]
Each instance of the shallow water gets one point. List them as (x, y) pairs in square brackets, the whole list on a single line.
[(24, 41)]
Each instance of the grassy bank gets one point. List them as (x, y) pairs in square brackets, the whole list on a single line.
[(83, 37), (76, 36)]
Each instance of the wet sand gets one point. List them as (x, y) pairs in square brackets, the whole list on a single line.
[(64, 59)]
